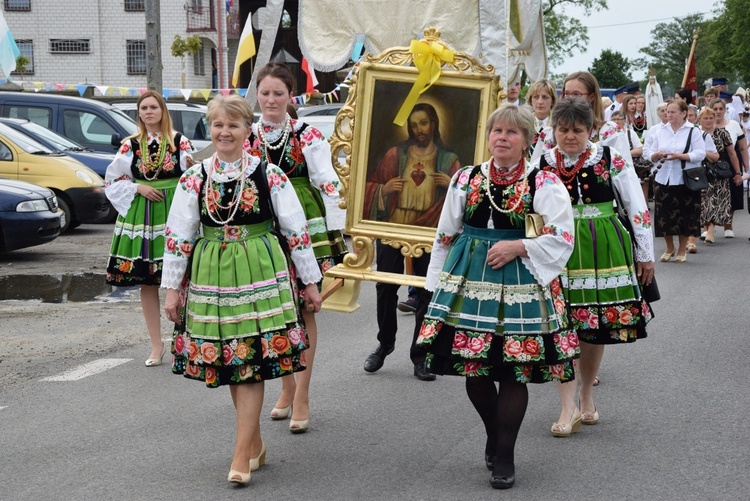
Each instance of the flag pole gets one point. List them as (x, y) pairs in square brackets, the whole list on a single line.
[(690, 57)]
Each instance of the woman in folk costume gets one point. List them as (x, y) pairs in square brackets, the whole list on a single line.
[(140, 184), (304, 155), (497, 314), (238, 324), (601, 280)]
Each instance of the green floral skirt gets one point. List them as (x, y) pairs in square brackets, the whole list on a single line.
[(482, 320), (240, 323), (329, 246), (600, 283), (135, 255)]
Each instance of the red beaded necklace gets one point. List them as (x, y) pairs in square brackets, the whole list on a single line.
[(513, 175), (567, 176)]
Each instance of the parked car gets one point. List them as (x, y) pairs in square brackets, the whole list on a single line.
[(320, 110), (189, 119), (98, 161), (93, 124), (79, 190), (28, 215)]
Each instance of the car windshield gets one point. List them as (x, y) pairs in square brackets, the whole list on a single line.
[(125, 121), (23, 141), (59, 142)]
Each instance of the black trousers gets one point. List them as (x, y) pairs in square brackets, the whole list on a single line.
[(390, 260)]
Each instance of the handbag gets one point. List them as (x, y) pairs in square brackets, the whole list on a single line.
[(695, 178), (650, 292), (642, 166), (723, 169), (534, 224)]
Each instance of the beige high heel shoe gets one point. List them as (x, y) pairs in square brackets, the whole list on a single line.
[(260, 460), (153, 362), (299, 426), (279, 414), (567, 429), (590, 417), (237, 477)]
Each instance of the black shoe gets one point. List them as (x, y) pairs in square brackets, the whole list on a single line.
[(501, 482), (377, 357), (408, 306), (504, 480), (421, 373)]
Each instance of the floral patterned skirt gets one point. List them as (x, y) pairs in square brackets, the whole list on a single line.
[(329, 246), (135, 255), (481, 321), (600, 283), (240, 320)]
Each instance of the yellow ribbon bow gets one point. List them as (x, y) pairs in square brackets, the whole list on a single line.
[(428, 58)]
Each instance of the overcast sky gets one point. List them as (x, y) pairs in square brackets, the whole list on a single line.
[(626, 27)]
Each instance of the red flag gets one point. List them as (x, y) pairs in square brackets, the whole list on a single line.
[(691, 81), (312, 81)]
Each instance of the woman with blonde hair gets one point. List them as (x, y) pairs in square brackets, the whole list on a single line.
[(716, 201), (542, 97), (238, 324), (140, 183)]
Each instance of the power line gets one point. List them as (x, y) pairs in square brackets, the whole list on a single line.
[(641, 22)]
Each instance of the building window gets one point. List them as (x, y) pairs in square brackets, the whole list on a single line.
[(26, 47), (135, 5), (136, 55), (199, 64), (70, 45), (17, 5)]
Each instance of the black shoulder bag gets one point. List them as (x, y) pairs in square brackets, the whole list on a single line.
[(695, 178), (721, 169)]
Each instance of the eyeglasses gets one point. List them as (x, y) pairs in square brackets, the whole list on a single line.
[(576, 94)]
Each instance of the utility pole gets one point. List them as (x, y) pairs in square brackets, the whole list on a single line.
[(153, 45)]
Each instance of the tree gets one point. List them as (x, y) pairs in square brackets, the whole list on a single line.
[(611, 69), (182, 47), (564, 34), (722, 47), (22, 63), (670, 48)]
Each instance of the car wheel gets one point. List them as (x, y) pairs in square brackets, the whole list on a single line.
[(67, 218)]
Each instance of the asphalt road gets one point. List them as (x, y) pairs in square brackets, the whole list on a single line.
[(674, 408)]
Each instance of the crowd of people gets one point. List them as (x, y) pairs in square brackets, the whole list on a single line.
[(541, 257)]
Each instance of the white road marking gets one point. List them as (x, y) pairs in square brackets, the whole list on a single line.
[(88, 369), (1, 408)]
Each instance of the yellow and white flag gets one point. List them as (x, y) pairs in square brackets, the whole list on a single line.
[(245, 50)]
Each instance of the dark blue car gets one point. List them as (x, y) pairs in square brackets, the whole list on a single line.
[(28, 215)]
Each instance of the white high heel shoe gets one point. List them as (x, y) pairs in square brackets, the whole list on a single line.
[(153, 362), (260, 460), (279, 414)]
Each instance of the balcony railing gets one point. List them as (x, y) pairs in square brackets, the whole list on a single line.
[(200, 18)]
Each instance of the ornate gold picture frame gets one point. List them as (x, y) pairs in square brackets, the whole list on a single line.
[(457, 104)]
